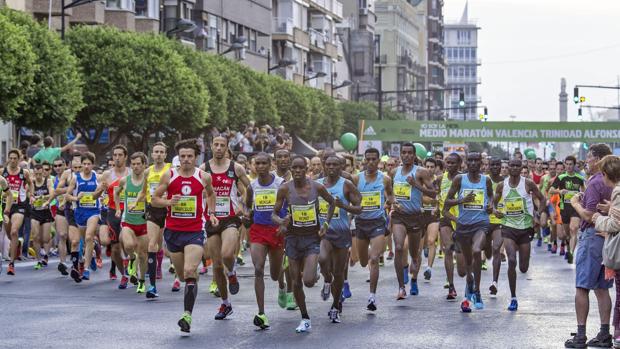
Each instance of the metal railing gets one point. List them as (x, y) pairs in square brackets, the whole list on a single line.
[(283, 25), (317, 38)]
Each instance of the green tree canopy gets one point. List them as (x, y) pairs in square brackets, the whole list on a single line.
[(293, 108), (240, 103)]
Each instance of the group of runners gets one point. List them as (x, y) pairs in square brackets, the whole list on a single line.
[(309, 217)]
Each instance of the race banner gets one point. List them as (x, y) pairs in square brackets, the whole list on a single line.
[(476, 131)]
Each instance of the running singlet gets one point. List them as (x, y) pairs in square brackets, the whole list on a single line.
[(87, 187), (60, 200), (303, 211), (536, 177), (475, 211), (187, 214), (265, 199), (340, 218), (41, 195), (518, 206), (152, 181), (572, 183), (225, 187), (408, 197), (373, 199), (446, 183), (17, 184), (110, 196), (133, 215), (500, 206)]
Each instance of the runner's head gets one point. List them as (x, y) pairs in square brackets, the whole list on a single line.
[(514, 168), (595, 154), (88, 161), (538, 163), (187, 151), (243, 161), (610, 167), (299, 167), (453, 163), (119, 155), (348, 163), (559, 168), (38, 171), (372, 157), (439, 167), (283, 160), (333, 166), (569, 163), (525, 172), (316, 167), (59, 166), (407, 153), (391, 163), (474, 162), (430, 165), (545, 166), (15, 156), (47, 169), (262, 163), (48, 142), (76, 162), (138, 162), (219, 147), (504, 171), (438, 155), (159, 152), (495, 166)]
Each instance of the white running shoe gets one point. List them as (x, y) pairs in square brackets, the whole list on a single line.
[(304, 326)]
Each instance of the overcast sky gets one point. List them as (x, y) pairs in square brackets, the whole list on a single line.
[(526, 46)]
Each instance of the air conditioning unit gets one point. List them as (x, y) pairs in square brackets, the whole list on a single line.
[(210, 43)]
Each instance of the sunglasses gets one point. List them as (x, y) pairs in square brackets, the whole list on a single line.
[(56, 166)]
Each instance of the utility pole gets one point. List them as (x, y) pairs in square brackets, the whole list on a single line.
[(380, 83)]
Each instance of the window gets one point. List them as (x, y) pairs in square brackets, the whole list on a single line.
[(473, 53), (120, 4), (147, 8), (358, 63), (232, 33), (253, 39), (224, 35)]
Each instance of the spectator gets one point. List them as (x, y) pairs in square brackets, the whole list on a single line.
[(35, 145), (49, 153)]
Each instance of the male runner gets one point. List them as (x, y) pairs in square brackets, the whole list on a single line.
[(264, 236), (569, 184), (410, 183), (223, 239), (431, 220), (494, 234), (6, 192), (334, 250), (547, 218), (302, 232), (316, 168), (475, 195), (20, 183), (518, 223), (371, 225), (184, 189), (537, 172), (60, 221), (68, 210), (41, 215)]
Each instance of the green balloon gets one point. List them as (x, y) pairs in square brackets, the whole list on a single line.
[(420, 151), (348, 141), (553, 154), (530, 154)]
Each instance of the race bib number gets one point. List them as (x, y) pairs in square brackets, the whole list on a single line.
[(513, 207), (402, 191), (428, 207), (477, 203), (139, 206), (88, 201), (303, 215), (324, 208), (371, 201), (264, 200), (152, 187), (15, 193), (105, 199), (184, 208), (569, 195), (222, 206), (39, 201)]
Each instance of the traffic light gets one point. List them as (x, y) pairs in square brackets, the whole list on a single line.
[(582, 99), (579, 114), (461, 98), (576, 95), (585, 146), (486, 112)]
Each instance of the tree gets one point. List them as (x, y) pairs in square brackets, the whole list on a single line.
[(240, 104), (293, 108), (352, 112), (334, 121), (57, 92), (137, 84), (265, 111), (17, 69)]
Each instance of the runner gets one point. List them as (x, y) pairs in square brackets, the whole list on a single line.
[(133, 232), (431, 219), (547, 218), (41, 216), (518, 223), (475, 195), (264, 236), (223, 239), (494, 234), (569, 184), (5, 193), (410, 183), (20, 183), (335, 245), (371, 225), (183, 188), (302, 232), (62, 194), (60, 220)]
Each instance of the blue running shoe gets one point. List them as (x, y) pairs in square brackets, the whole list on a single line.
[(406, 274), (414, 288), (86, 275), (539, 242), (514, 305), (469, 291), (478, 300), (93, 264), (549, 247), (152, 292), (346, 290)]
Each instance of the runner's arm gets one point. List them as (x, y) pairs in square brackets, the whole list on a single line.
[(157, 200), (489, 193), (102, 186), (450, 200), (70, 189), (117, 193), (70, 145), (354, 197), (249, 197), (7, 191), (498, 194), (320, 189), (424, 182), (389, 191), (50, 189), (142, 193), (531, 187), (206, 181), (275, 215), (29, 184)]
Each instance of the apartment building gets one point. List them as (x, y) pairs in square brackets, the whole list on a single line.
[(436, 64)]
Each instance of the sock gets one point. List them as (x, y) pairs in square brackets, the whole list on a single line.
[(581, 330), (372, 296), (152, 265), (604, 329), (74, 259), (231, 273), (191, 290), (113, 267), (226, 302), (514, 298), (160, 257), (305, 316)]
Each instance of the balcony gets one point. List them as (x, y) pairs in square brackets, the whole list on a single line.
[(317, 39), (333, 7), (460, 60), (283, 25), (464, 80)]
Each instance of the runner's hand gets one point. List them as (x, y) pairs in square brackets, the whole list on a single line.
[(471, 197), (281, 231), (132, 207), (323, 231), (338, 203), (286, 221), (80, 195), (214, 221), (498, 214), (603, 207), (118, 214), (575, 199), (563, 192), (175, 199)]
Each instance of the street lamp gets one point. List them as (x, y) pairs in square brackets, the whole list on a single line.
[(283, 63), (345, 83), (315, 76), (64, 7), (183, 26), (237, 45)]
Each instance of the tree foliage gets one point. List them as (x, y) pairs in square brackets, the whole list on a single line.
[(240, 103)]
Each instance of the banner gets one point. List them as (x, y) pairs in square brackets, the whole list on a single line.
[(476, 131)]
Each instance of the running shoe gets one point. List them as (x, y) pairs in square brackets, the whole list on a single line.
[(406, 274), (601, 341), (185, 323), (261, 321), (414, 288), (223, 312), (427, 273), (539, 242), (576, 342), (124, 282), (304, 326), (562, 250), (152, 292), (333, 316), (93, 264), (493, 289), (402, 294), (11, 269), (484, 265), (86, 275), (326, 291), (112, 276), (233, 283), (446, 285), (159, 275), (465, 306), (171, 269), (99, 262), (282, 298), (451, 293), (554, 249), (372, 306), (132, 272), (176, 285), (381, 261), (38, 266), (290, 302), (240, 259), (514, 305), (469, 287), (346, 290), (549, 247), (75, 275), (44, 261), (141, 287), (213, 287), (478, 300), (203, 270), (425, 250), (390, 256), (569, 257), (440, 254)]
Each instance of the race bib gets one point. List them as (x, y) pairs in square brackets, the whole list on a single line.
[(371, 200), (152, 187), (513, 207), (264, 200), (139, 206), (15, 193), (39, 201), (428, 207), (402, 191), (303, 215), (569, 195), (222, 206), (88, 201), (105, 199), (478, 203), (324, 208), (184, 208)]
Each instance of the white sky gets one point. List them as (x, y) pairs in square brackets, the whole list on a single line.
[(526, 46)]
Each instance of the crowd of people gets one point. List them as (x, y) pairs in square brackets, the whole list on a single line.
[(301, 213)]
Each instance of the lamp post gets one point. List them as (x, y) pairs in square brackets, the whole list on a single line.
[(283, 63), (64, 7), (345, 83), (315, 76), (183, 26), (237, 45)]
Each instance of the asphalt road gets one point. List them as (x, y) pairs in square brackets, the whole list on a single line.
[(43, 309)]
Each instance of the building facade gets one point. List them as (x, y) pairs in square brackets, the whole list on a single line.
[(436, 65), (461, 54)]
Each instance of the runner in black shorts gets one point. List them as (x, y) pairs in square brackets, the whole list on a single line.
[(41, 215), (494, 234)]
